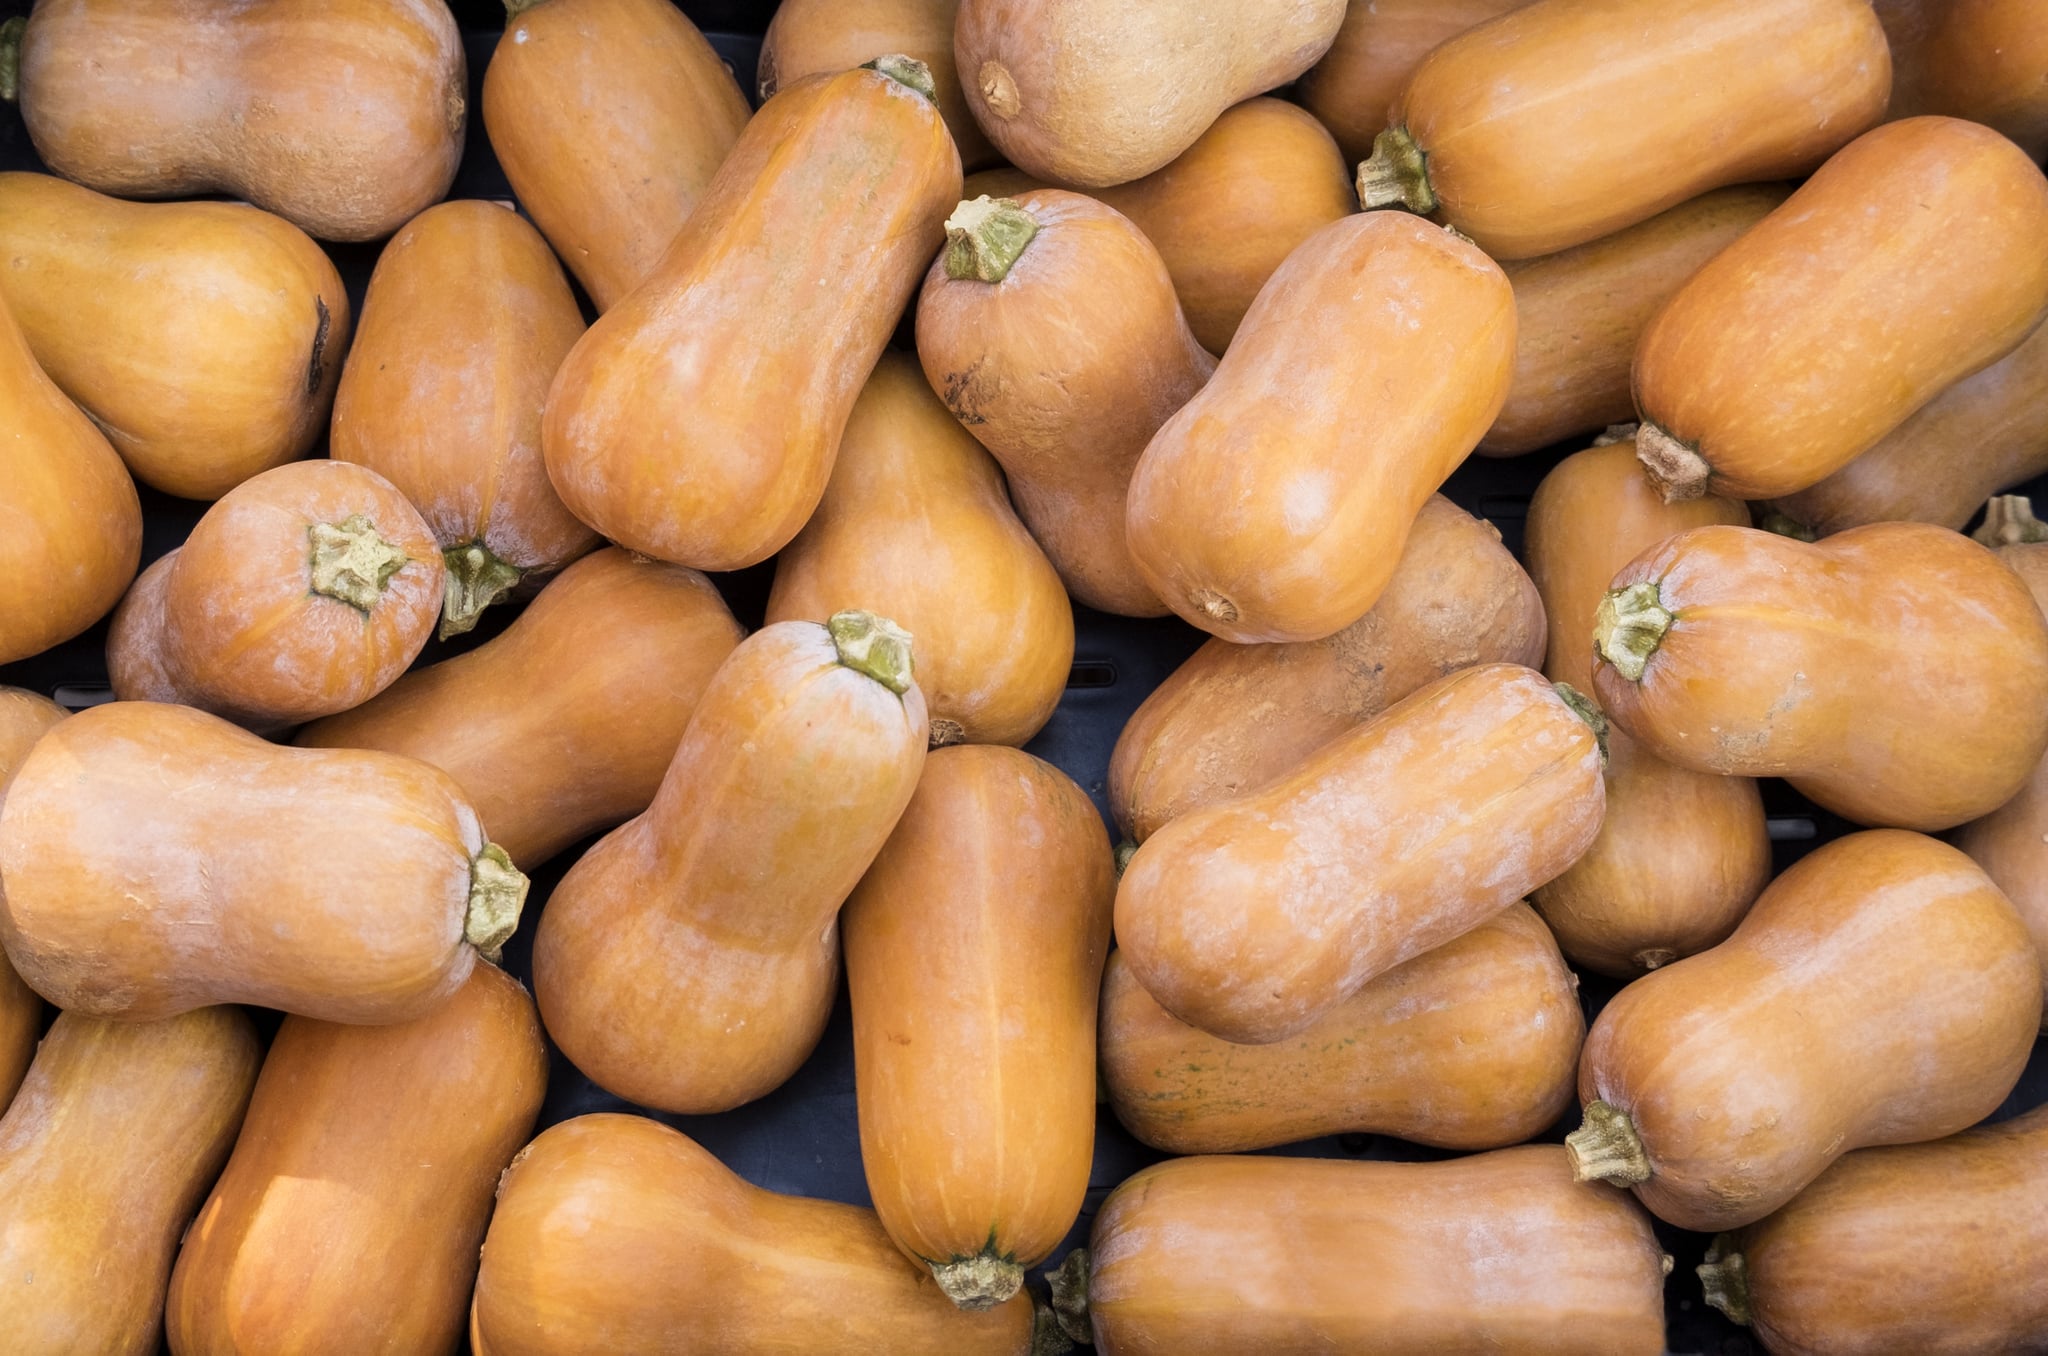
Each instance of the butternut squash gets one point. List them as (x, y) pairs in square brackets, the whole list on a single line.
[(916, 523), (627, 645), (1376, 48), (204, 338), (303, 592), (1050, 328), (350, 1214), (1924, 1247), (104, 1155), (697, 420), (1845, 666), (984, 916), (688, 961), (1881, 991), (1681, 854), (1985, 60), (1983, 434), (1096, 92), (1580, 312), (1253, 918), (609, 118), (1470, 1046), (24, 717), (467, 317), (691, 1258), (344, 117), (1276, 503), (70, 520), (1301, 1256), (158, 859), (1914, 257), (1234, 717), (1568, 120)]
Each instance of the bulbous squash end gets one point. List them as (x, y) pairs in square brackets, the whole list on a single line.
[(497, 892), (1783, 524), (1628, 626), (1725, 1280), (874, 646), (979, 1282), (908, 71), (986, 237), (10, 57), (1582, 706), (476, 579), (352, 562), (1679, 472), (1606, 1148), (1396, 174), (2009, 521), (1069, 1285)]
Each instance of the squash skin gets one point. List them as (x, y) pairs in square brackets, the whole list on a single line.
[(24, 717), (1253, 918), (1093, 92), (1976, 59), (379, 1145), (1064, 370), (1233, 717), (697, 420), (1185, 1259), (670, 968), (119, 845), (104, 1155), (916, 524), (1376, 49), (345, 118), (628, 645), (466, 319), (204, 338), (1844, 666), (773, 1275), (1917, 998), (1261, 512), (609, 118), (1681, 854), (1473, 1045), (1526, 172), (1926, 1247), (235, 622), (1916, 256), (70, 520), (1580, 312), (1981, 435)]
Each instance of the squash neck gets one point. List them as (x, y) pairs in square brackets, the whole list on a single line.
[(2009, 521), (1068, 1284), (986, 237), (1628, 626), (979, 1282), (476, 579), (907, 71), (1725, 1279), (874, 646), (352, 562), (10, 57), (1606, 1148), (1677, 469), (497, 892), (1396, 174)]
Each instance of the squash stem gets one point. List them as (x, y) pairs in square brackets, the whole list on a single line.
[(2009, 521), (874, 646), (515, 8), (1125, 850), (979, 1282), (906, 70), (1725, 1280), (1606, 1148), (1784, 524), (1396, 174), (1649, 958), (497, 892), (476, 579), (1628, 626), (1678, 471), (10, 57), (352, 562), (1069, 1285), (1048, 1338), (985, 238), (1582, 706), (1615, 433)]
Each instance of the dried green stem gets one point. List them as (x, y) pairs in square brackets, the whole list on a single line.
[(979, 1282), (985, 238), (1582, 706), (352, 562), (497, 892), (10, 57), (1677, 469), (1725, 1279), (906, 70), (874, 646), (1628, 626), (1048, 1338), (1125, 850), (476, 579), (1606, 1148), (2009, 521), (1069, 1285), (1396, 174), (515, 8), (1783, 524)]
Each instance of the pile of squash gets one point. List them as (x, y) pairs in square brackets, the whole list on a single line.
[(992, 309)]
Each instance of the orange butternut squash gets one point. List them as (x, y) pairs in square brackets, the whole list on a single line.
[(1498, 1251), (1276, 503), (1985, 60), (204, 338), (609, 118), (1923, 1247), (158, 859), (344, 117), (1050, 328), (1471, 1046), (1233, 717), (1580, 312), (24, 717), (1253, 918), (627, 645), (916, 523), (1914, 257), (1845, 666), (688, 961), (1568, 120), (70, 521), (467, 318), (104, 1155), (1681, 853), (1093, 92), (1376, 48), (302, 592), (350, 1214), (1881, 991), (985, 915), (697, 421), (691, 1258)]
